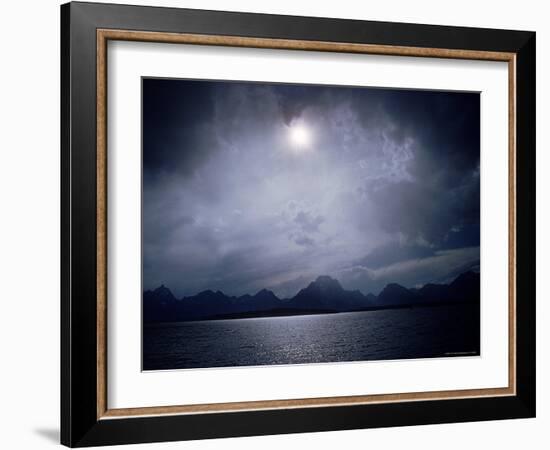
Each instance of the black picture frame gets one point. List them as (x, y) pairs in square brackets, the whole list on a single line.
[(80, 425)]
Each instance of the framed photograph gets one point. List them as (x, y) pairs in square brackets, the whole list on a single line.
[(276, 224)]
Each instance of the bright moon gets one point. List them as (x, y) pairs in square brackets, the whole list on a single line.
[(300, 136)]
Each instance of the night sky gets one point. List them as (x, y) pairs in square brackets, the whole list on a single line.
[(252, 185)]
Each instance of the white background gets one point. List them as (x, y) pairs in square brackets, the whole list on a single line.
[(29, 229), (129, 387)]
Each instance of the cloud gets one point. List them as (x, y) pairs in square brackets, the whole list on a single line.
[(442, 267), (302, 239), (389, 186), (394, 252), (289, 288), (175, 122), (308, 222)]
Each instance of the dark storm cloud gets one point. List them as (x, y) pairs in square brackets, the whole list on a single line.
[(175, 122), (443, 189), (431, 209), (308, 222), (394, 252), (443, 267), (386, 191)]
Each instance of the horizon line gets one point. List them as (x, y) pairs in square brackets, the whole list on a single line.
[(311, 282)]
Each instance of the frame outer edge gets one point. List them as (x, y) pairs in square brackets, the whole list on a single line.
[(79, 423), (65, 334), (526, 224), (79, 259)]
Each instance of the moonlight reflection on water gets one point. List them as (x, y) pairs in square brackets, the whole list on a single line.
[(362, 336)]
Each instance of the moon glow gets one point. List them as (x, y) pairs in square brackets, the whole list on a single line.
[(300, 136)]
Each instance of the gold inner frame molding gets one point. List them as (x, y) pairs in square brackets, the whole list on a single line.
[(104, 35)]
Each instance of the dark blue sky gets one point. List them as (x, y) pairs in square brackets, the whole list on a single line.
[(249, 186)]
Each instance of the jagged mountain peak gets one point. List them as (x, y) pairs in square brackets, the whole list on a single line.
[(162, 288), (162, 293), (391, 287), (265, 293), (324, 282), (394, 293), (323, 294), (325, 279), (209, 295)]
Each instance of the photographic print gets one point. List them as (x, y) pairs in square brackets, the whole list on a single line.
[(305, 224)]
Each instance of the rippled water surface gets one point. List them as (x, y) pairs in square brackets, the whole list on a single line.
[(360, 336)]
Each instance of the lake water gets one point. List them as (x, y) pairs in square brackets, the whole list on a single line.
[(422, 332)]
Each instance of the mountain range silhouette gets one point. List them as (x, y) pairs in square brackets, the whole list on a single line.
[(324, 295)]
